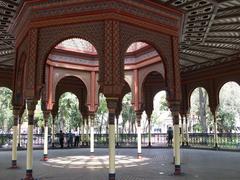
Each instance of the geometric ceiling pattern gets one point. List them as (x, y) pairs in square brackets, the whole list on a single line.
[(211, 31), (210, 34), (77, 45), (85, 47)]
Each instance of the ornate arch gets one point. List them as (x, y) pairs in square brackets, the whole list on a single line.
[(59, 79), (51, 36), (160, 42), (151, 92), (222, 83), (193, 89)]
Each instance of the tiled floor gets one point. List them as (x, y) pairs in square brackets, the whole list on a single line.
[(156, 164)]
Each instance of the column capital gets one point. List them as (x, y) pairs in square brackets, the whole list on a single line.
[(31, 106), (16, 111), (112, 104), (92, 117), (139, 114), (46, 115), (174, 106), (139, 117)]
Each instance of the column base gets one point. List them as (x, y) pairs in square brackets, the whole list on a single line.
[(139, 155), (45, 157), (28, 175), (149, 145), (14, 164), (177, 170), (112, 177)]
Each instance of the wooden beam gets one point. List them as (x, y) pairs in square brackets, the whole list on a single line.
[(191, 61), (6, 60), (11, 2), (223, 48), (210, 23), (208, 51), (198, 56), (222, 42), (219, 36)]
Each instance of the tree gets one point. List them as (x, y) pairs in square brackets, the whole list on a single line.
[(6, 115), (200, 109), (69, 111), (101, 115), (128, 114), (226, 121), (229, 110)]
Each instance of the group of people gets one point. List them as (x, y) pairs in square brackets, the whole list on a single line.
[(70, 137)]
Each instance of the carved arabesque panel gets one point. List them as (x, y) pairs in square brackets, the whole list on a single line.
[(161, 42), (21, 58), (51, 36)]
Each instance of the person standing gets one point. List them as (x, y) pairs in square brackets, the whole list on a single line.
[(70, 139), (76, 140), (61, 138), (170, 136)]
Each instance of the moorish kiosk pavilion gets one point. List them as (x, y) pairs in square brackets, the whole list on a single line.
[(114, 47)]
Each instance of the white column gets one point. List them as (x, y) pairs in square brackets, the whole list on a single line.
[(29, 146), (182, 130), (215, 130), (173, 146), (45, 140), (139, 140), (175, 107), (45, 147), (82, 131), (112, 149), (53, 129), (15, 134), (139, 136), (87, 131), (117, 133), (31, 105), (19, 133), (149, 131), (112, 106), (186, 128), (176, 136), (92, 133)]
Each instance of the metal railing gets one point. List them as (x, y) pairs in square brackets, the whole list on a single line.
[(201, 140)]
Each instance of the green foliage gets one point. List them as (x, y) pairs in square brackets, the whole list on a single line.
[(6, 117), (228, 110), (197, 127), (200, 109), (226, 121), (229, 107), (163, 104), (160, 108), (69, 111), (101, 115), (128, 113)]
